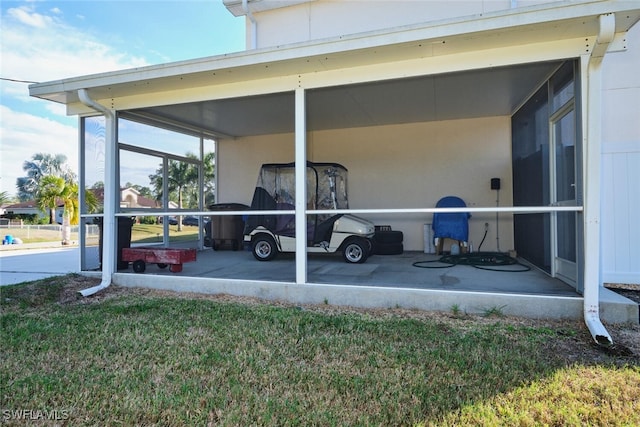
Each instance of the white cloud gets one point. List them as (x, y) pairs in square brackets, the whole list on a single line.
[(24, 135), (56, 109), (25, 15), (41, 46)]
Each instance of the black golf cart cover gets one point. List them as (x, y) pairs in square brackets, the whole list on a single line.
[(275, 190)]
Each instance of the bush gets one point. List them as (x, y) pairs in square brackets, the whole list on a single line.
[(147, 220), (27, 219)]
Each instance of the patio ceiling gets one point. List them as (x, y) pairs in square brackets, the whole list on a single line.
[(400, 75), (478, 93)]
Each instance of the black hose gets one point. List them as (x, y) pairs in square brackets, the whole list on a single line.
[(492, 261), (483, 237)]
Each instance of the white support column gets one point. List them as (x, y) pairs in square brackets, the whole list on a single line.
[(201, 195), (301, 185), (592, 72), (165, 200), (109, 236), (82, 230)]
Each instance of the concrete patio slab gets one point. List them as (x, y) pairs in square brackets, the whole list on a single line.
[(383, 281)]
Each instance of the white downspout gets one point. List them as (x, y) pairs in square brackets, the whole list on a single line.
[(108, 222), (254, 24), (591, 174)]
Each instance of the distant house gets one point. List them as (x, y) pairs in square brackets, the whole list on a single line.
[(30, 207), (129, 198)]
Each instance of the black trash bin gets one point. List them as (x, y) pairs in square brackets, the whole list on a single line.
[(226, 231), (125, 224)]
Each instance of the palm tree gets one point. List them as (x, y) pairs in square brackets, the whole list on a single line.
[(91, 202), (41, 165), (70, 198), (209, 172), (4, 198), (50, 190), (54, 190), (181, 177)]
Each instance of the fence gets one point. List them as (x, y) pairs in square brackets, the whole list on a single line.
[(46, 233)]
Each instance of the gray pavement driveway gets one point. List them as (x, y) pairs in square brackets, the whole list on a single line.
[(17, 266)]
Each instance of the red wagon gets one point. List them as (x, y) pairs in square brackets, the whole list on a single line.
[(172, 257)]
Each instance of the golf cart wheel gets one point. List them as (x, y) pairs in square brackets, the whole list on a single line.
[(162, 265), (139, 266), (264, 248), (356, 251)]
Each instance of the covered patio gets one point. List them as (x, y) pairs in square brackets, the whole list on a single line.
[(416, 113)]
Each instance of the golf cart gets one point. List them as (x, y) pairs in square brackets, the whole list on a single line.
[(326, 233)]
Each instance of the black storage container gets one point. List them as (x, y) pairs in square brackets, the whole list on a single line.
[(227, 231), (124, 238)]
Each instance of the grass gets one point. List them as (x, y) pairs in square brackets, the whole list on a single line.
[(140, 233), (32, 234), (494, 311), (150, 233), (133, 357), (455, 310)]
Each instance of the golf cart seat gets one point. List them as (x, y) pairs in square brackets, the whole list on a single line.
[(262, 201), (282, 225), (454, 225), (324, 229), (285, 224)]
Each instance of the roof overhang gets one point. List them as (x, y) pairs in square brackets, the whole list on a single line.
[(237, 9), (380, 54)]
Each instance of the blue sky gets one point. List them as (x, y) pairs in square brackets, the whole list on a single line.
[(48, 40)]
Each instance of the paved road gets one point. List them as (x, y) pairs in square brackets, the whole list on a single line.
[(17, 266)]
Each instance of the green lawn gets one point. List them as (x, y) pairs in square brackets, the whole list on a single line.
[(140, 233), (149, 233), (35, 234), (138, 357)]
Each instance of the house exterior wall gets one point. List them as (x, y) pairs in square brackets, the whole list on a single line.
[(27, 211), (407, 165), (238, 163), (621, 164), (327, 18)]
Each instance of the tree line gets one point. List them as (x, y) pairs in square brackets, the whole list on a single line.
[(49, 181)]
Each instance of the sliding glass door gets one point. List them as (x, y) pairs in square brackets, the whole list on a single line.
[(563, 159), (546, 159)]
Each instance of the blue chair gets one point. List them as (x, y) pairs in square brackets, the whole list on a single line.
[(453, 226)]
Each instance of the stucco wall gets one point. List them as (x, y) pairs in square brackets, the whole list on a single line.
[(409, 165), (238, 162)]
